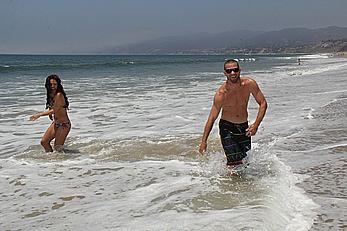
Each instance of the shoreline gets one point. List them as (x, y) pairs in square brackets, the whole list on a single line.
[(326, 182), (327, 190), (340, 54)]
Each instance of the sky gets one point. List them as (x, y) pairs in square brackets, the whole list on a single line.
[(84, 26)]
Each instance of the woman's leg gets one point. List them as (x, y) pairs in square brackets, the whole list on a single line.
[(47, 138), (60, 136)]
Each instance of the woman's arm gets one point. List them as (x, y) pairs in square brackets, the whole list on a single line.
[(59, 102), (39, 114)]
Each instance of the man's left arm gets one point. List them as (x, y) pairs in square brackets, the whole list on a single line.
[(260, 98)]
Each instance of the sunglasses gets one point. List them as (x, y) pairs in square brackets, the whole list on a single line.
[(235, 70)]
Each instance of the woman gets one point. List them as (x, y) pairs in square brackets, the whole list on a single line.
[(57, 105)]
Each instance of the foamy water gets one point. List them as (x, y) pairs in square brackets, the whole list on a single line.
[(132, 160)]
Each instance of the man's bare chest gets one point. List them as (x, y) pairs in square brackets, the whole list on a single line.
[(236, 97)]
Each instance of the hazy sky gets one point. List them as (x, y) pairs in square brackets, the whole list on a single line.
[(67, 26)]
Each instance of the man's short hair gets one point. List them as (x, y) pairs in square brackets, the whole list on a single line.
[(231, 61)]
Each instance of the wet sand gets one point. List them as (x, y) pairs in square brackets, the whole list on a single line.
[(327, 187)]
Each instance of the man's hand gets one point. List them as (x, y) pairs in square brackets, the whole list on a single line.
[(251, 130), (202, 148)]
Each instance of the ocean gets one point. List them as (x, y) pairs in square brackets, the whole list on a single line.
[(132, 160)]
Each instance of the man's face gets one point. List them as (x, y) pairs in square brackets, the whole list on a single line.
[(232, 72)]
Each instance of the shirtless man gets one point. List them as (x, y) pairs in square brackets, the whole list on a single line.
[(233, 97), (57, 105)]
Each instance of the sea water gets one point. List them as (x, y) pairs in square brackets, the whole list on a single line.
[(132, 160)]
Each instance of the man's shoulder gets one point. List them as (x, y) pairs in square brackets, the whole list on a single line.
[(247, 81), (222, 89), (220, 93)]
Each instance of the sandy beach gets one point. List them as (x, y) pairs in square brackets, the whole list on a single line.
[(324, 160)]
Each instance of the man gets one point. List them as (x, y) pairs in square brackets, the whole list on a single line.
[(233, 97)]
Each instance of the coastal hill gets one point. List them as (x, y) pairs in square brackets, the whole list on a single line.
[(290, 40)]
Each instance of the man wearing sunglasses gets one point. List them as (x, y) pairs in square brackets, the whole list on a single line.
[(232, 98)]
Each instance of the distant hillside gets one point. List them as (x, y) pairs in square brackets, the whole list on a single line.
[(200, 41), (327, 46), (290, 40), (297, 36)]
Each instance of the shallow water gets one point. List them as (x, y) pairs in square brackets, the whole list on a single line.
[(132, 160)]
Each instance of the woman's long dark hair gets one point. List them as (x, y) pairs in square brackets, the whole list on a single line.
[(49, 102)]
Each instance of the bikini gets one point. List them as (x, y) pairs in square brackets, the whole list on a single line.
[(58, 124)]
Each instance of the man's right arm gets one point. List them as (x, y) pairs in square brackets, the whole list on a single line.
[(216, 107)]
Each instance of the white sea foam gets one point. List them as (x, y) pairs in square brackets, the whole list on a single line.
[(315, 56), (133, 150), (330, 92)]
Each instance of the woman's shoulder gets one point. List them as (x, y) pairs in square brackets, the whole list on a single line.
[(59, 95), (59, 99)]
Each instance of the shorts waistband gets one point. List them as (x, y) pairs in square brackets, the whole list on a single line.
[(233, 124), (235, 163)]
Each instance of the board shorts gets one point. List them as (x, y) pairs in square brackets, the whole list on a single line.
[(234, 140)]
